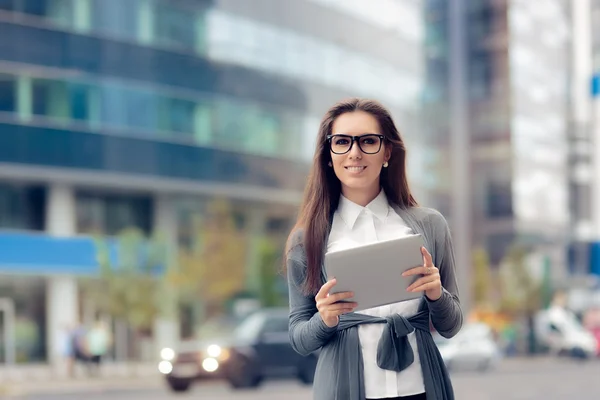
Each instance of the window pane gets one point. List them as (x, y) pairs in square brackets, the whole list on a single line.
[(79, 101), (51, 98), (116, 17), (22, 207), (7, 93), (58, 11), (175, 27)]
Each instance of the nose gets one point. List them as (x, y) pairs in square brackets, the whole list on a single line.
[(355, 151)]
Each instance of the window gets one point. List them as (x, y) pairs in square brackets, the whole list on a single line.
[(176, 115), (22, 207), (121, 108), (116, 17), (498, 246), (481, 77), (110, 214), (7, 93), (58, 11), (51, 98), (499, 199), (175, 27), (79, 102), (29, 297)]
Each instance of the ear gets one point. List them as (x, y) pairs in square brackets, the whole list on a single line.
[(388, 154)]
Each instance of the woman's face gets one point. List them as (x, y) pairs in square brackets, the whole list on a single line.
[(356, 170)]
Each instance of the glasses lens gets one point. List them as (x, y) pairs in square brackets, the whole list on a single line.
[(340, 143), (370, 144)]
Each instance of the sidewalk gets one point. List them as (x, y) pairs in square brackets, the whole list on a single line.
[(31, 379)]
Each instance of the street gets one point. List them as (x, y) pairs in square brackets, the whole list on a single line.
[(537, 379)]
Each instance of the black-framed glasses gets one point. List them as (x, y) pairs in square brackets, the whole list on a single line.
[(368, 144)]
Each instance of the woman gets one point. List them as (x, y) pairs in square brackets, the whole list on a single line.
[(357, 193)]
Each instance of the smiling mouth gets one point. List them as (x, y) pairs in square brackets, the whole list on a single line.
[(355, 169)]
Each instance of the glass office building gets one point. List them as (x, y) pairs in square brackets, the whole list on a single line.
[(139, 113), (517, 70)]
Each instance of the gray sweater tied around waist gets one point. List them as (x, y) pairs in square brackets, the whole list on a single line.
[(339, 373)]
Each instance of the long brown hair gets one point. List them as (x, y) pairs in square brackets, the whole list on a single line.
[(323, 189)]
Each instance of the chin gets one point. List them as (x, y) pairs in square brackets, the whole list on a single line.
[(359, 183)]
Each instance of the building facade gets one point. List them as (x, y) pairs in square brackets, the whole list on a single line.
[(118, 114)]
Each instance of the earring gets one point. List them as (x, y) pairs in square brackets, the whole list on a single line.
[(330, 164), (385, 164)]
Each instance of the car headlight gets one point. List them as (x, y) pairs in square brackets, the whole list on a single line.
[(214, 350), (165, 367), (210, 365), (167, 354)]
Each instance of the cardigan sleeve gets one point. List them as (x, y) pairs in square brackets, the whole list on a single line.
[(446, 313), (307, 330)]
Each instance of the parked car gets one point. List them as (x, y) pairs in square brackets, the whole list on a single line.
[(258, 349), (564, 335), (473, 348)]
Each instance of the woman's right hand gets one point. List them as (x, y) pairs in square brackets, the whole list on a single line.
[(330, 306)]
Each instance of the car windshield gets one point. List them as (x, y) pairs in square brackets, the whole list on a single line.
[(249, 328)]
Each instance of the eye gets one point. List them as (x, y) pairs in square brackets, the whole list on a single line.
[(368, 140), (341, 141)]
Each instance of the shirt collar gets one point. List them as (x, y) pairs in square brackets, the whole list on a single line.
[(349, 211)]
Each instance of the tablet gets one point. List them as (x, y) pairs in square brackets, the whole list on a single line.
[(374, 271)]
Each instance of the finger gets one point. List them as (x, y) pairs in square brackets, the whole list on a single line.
[(423, 280), (427, 260), (334, 298), (426, 286), (325, 289), (422, 270), (413, 271), (341, 306)]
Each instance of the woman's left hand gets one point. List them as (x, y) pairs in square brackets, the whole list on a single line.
[(430, 283)]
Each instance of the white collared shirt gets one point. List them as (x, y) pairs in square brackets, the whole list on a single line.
[(354, 225)]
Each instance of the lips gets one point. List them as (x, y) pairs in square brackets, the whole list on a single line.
[(356, 169)]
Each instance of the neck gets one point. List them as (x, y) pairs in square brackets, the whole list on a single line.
[(361, 197)]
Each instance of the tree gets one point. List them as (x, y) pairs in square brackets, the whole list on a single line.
[(129, 287), (269, 263), (521, 294), (482, 282), (213, 268)]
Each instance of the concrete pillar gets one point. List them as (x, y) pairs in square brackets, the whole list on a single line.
[(60, 211), (61, 314), (461, 155), (166, 327), (62, 300)]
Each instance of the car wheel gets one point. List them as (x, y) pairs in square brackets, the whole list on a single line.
[(179, 385), (242, 373), (579, 353), (306, 372)]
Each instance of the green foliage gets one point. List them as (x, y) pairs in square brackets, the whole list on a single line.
[(521, 294), (482, 277), (269, 263), (213, 269), (130, 288)]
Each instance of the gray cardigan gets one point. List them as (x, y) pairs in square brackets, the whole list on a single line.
[(339, 373)]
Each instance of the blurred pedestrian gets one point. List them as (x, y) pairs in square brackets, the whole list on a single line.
[(98, 339), (66, 349), (79, 345), (358, 193)]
